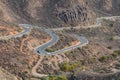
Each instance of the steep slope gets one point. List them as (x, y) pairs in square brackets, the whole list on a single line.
[(45, 12), (5, 13), (51, 12), (4, 75), (56, 13), (107, 7)]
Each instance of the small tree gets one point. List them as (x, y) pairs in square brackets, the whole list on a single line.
[(61, 78)]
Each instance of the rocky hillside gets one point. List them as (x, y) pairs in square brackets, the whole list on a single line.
[(55, 12), (4, 75), (111, 7)]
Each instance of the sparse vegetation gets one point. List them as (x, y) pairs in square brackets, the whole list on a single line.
[(67, 67), (49, 49), (65, 40), (117, 52), (118, 79), (55, 78), (109, 47), (111, 38), (108, 57), (104, 58), (18, 58), (19, 30), (7, 30)]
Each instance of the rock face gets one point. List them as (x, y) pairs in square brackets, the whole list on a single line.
[(70, 11), (57, 13), (46, 12), (108, 6)]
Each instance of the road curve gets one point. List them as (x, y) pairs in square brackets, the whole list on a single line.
[(82, 42), (26, 28), (97, 24), (25, 31), (54, 38), (41, 49)]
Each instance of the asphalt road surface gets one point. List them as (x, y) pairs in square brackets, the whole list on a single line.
[(26, 30)]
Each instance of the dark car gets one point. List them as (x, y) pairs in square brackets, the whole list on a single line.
[(38, 51)]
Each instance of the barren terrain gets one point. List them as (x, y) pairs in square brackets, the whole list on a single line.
[(99, 60), (9, 30), (65, 40), (17, 56)]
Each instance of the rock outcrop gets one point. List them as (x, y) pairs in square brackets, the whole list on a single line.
[(47, 12), (111, 7), (70, 12), (57, 13)]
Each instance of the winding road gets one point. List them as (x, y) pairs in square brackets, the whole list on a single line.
[(41, 49), (25, 31), (97, 24), (54, 38)]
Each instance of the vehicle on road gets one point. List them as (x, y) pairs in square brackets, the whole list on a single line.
[(38, 51)]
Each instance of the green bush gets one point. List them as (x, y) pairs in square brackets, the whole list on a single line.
[(19, 30), (109, 47), (107, 57), (114, 55), (68, 67), (61, 78), (118, 79), (117, 51), (52, 78), (104, 58), (49, 49), (111, 38), (56, 78)]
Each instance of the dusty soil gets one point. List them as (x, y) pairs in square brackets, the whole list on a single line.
[(4, 75), (57, 13), (37, 37), (101, 44), (9, 30), (50, 64), (17, 56), (65, 40)]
